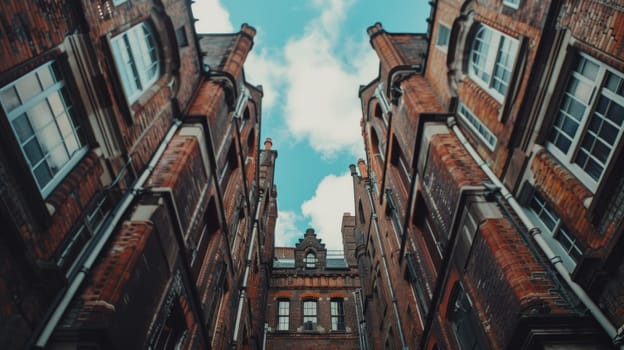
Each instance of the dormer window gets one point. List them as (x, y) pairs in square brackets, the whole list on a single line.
[(136, 59), (310, 261)]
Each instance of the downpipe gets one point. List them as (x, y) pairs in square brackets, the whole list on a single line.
[(92, 255), (616, 335), (385, 265), (243, 288)]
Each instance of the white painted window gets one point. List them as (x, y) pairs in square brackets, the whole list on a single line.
[(588, 124), (283, 318), (444, 33), (491, 60), (477, 126), (559, 237), (136, 58), (44, 121), (310, 314)]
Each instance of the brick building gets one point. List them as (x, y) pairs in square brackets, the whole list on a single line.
[(136, 202), (490, 200), (313, 299)]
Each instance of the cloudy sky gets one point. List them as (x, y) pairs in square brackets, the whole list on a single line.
[(311, 57)]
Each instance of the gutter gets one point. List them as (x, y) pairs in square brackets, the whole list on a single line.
[(103, 237), (616, 335)]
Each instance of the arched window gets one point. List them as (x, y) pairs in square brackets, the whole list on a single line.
[(492, 56), (310, 261), (136, 59)]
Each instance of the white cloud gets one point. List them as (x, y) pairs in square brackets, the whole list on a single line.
[(333, 198), (214, 18), (286, 231), (262, 68), (321, 100)]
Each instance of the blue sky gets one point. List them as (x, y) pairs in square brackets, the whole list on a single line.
[(311, 57)]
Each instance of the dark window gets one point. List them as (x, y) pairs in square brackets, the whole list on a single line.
[(337, 315), (466, 324), (181, 37)]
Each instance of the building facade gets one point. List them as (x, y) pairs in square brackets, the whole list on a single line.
[(313, 298), (490, 199), (136, 201)]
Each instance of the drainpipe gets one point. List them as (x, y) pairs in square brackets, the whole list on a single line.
[(385, 265), (615, 334), (243, 288), (104, 236), (194, 299), (266, 330)]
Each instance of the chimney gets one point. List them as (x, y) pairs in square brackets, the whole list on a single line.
[(363, 170), (268, 143)]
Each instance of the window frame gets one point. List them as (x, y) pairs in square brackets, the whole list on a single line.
[(598, 91), (311, 263), (309, 313), (67, 116), (461, 315), (477, 127), (555, 233), (447, 36), (283, 315), (337, 315), (484, 70), (137, 41)]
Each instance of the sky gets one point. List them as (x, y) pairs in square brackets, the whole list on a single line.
[(310, 58)]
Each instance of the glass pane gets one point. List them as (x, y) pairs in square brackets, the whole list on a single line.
[(28, 87), (589, 69), (602, 105), (22, 128), (58, 158), (49, 137), (616, 113), (563, 143), (64, 125), (593, 169), (613, 83), (33, 151), (56, 104), (45, 77), (42, 175), (9, 99), (40, 115), (608, 133), (580, 90), (570, 126), (72, 144), (601, 151)]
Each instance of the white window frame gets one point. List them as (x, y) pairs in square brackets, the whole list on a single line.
[(555, 232), (443, 34), (310, 311), (477, 126), (587, 94), (310, 260), (136, 57), (59, 140), (337, 314), (283, 315), (489, 51)]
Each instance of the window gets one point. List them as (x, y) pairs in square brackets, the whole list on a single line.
[(491, 60), (477, 126), (136, 58), (337, 315), (44, 121), (181, 37), (309, 315), (310, 261), (588, 123), (512, 3), (444, 34), (565, 243), (466, 324), (283, 315)]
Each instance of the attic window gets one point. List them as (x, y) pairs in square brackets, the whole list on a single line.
[(310, 261)]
